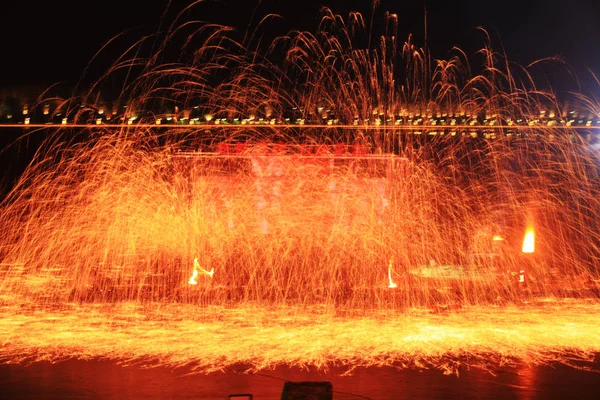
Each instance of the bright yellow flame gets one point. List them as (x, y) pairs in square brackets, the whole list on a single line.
[(529, 241), (194, 279), (392, 284), (198, 269), (497, 238)]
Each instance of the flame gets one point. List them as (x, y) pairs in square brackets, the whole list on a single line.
[(392, 284), (529, 241), (497, 238), (194, 279), (198, 269)]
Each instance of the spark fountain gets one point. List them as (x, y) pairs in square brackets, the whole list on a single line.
[(360, 243)]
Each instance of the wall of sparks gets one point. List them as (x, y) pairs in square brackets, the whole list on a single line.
[(112, 216), (121, 219), (143, 216)]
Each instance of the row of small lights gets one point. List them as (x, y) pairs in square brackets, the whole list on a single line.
[(415, 120), (377, 122)]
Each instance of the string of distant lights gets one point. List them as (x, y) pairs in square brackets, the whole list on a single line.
[(410, 128)]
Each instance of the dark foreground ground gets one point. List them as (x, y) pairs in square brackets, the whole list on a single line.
[(108, 380)]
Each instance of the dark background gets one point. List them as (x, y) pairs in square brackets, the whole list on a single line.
[(45, 42)]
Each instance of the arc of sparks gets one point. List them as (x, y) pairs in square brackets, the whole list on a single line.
[(199, 270)]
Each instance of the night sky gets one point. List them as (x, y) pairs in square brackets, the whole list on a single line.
[(45, 42)]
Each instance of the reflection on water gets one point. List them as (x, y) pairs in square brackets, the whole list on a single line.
[(106, 380)]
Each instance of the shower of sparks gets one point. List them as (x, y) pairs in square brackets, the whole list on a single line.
[(301, 220), (218, 338)]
